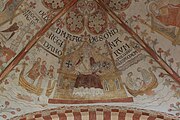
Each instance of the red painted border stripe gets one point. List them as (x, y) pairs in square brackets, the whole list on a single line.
[(68, 111), (114, 110), (57, 101), (62, 116), (160, 116), (77, 116), (107, 115), (122, 115), (92, 115), (84, 110), (136, 116), (23, 119), (47, 117), (53, 113), (38, 115), (99, 109), (151, 118)]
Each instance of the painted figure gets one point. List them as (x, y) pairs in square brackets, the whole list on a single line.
[(5, 55), (134, 84), (169, 15), (43, 73), (146, 75), (34, 72), (167, 12), (129, 80), (51, 72), (138, 83), (87, 81), (165, 15), (9, 32)]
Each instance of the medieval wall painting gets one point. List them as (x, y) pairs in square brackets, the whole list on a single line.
[(87, 57)]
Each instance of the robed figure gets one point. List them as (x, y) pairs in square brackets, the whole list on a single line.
[(88, 82), (34, 72)]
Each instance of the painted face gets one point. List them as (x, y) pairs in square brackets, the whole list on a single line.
[(44, 62), (39, 59), (51, 67)]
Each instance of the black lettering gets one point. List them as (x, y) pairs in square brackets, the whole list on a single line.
[(46, 44), (111, 33), (126, 46), (59, 52), (106, 35), (100, 38), (93, 39), (117, 40), (43, 15), (59, 42), (58, 31), (119, 51), (69, 36), (63, 33), (112, 44)]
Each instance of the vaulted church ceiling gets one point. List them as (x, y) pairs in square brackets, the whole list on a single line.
[(89, 59)]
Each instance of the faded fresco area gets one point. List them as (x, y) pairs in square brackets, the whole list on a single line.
[(91, 52)]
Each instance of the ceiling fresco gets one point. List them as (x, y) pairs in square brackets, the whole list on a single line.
[(89, 59)]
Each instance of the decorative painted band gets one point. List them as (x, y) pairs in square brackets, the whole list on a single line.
[(96, 113)]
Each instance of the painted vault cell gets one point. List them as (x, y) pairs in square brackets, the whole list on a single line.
[(92, 53)]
